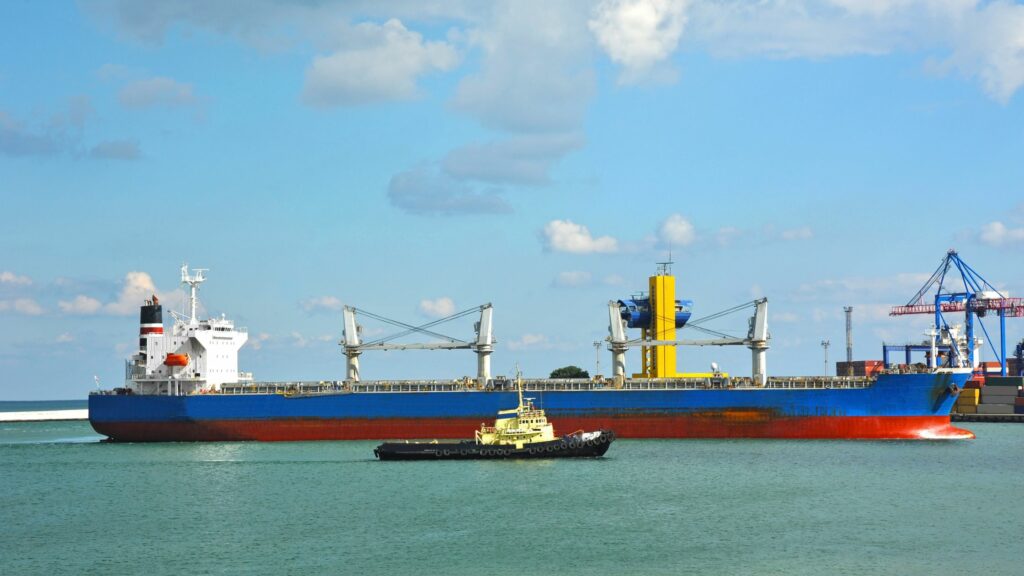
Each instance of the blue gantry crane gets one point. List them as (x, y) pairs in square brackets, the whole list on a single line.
[(976, 298)]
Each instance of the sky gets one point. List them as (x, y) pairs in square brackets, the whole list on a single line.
[(415, 159)]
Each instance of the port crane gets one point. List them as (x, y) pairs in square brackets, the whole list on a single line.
[(975, 299), (483, 345)]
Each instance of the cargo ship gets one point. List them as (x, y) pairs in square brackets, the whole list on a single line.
[(185, 385)]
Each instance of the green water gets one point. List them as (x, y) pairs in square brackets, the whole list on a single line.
[(71, 505)]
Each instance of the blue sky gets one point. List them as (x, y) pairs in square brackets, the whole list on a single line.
[(415, 157)]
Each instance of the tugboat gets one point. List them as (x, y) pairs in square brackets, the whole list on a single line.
[(521, 432)]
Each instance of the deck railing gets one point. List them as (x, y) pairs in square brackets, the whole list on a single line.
[(305, 388)]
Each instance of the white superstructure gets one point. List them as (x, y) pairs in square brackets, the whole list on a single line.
[(197, 356)]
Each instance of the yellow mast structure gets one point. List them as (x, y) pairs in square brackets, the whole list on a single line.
[(659, 361)]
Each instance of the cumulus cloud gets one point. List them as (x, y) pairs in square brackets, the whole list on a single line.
[(135, 288), (25, 306), (116, 150), (157, 91), (322, 304), (376, 63), (982, 40), (438, 307), (529, 341), (18, 140), (567, 236), (801, 233), (535, 74), (299, 340), (785, 317), (988, 44), (888, 288), (7, 277), (999, 234), (638, 34), (727, 235), (61, 134), (257, 341), (676, 230), (572, 279), (423, 191), (524, 159), (80, 304)]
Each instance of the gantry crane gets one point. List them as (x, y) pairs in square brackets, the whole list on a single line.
[(976, 299)]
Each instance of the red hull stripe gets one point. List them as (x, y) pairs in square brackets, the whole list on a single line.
[(823, 427), (151, 330)]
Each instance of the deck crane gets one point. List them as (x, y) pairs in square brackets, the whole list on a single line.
[(757, 337), (483, 345), (976, 299)]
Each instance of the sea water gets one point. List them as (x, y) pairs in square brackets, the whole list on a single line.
[(72, 505)]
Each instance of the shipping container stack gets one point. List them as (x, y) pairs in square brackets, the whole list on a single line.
[(1001, 395), (967, 402), (859, 368)]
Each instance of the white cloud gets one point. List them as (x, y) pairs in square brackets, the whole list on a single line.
[(116, 150), (999, 234), (572, 279), (536, 73), (438, 307), (524, 159), (614, 280), (529, 341), (886, 288), (135, 288), (19, 140), (7, 277), (676, 231), (25, 306), (424, 191), (802, 233), (638, 34), (567, 236), (257, 341), (376, 63), (988, 44), (157, 91), (727, 235), (322, 304), (65, 338), (871, 312), (785, 317), (298, 340), (983, 40), (80, 304)]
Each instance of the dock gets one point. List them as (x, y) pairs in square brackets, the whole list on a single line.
[(45, 415), (955, 417)]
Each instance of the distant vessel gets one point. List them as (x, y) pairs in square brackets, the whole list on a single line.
[(522, 432), (186, 386)]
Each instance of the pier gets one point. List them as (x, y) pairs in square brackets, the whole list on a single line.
[(45, 415)]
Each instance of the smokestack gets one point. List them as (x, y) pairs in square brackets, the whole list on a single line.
[(151, 321), (849, 339)]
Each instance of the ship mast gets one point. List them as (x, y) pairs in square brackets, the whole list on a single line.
[(193, 281), (519, 386)]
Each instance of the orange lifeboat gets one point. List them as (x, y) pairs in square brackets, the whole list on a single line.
[(176, 360)]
